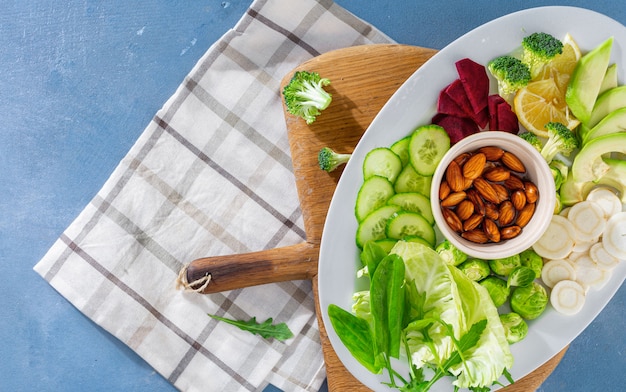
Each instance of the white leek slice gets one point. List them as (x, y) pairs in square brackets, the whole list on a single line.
[(607, 199), (588, 274), (555, 271), (565, 211), (567, 297), (583, 246), (614, 237), (588, 220), (558, 240), (604, 260)]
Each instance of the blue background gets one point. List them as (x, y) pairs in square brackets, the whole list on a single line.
[(79, 81)]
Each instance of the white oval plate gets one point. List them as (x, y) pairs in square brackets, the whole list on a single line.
[(414, 104)]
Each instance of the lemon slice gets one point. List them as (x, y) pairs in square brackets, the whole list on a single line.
[(543, 99), (541, 102), (564, 63)]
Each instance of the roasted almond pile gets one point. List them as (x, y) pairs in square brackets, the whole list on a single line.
[(486, 196)]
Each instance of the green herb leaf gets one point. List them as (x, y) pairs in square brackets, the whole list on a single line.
[(265, 329), (354, 333)]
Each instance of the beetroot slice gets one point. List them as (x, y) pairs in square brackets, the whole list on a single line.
[(475, 81), (447, 105), (507, 120), (456, 92), (481, 118), (457, 127), (492, 105)]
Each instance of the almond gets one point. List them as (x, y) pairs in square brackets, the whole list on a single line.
[(492, 153), (465, 209), (532, 193), (476, 236), (523, 217), (462, 158), (479, 204), (452, 220), (514, 182), (501, 191), (507, 213), (453, 199), (486, 190), (491, 230), (472, 222), (510, 232), (497, 174), (474, 166), (444, 190), (519, 199), (511, 161), (491, 211), (454, 177)]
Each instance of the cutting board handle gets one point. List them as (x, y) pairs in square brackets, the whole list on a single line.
[(220, 273)]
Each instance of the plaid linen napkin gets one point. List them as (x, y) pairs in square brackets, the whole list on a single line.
[(210, 175)]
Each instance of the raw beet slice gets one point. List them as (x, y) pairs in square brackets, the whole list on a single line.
[(475, 82), (447, 105), (481, 118), (457, 93), (492, 105), (456, 127), (507, 120)]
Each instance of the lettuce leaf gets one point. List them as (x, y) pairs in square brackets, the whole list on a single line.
[(459, 303)]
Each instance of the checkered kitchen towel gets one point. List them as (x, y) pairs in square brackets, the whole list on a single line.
[(210, 175)]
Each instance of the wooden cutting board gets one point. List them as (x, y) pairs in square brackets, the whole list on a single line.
[(362, 78)]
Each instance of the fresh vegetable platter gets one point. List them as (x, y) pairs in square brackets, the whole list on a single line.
[(414, 104)]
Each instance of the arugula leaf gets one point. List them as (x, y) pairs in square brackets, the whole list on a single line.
[(265, 329)]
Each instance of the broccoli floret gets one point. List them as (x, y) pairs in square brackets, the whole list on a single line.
[(538, 49), (305, 95), (329, 160), (532, 139), (560, 140), (559, 171), (510, 73)]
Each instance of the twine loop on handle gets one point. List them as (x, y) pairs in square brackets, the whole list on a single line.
[(197, 286)]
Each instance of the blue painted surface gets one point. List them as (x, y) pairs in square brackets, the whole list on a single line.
[(79, 81)]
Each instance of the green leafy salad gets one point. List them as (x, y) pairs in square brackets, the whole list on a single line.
[(443, 322)]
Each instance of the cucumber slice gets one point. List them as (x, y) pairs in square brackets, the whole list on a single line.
[(382, 162), (410, 224), (401, 148), (411, 181), (414, 202), (373, 194), (386, 244), (428, 145), (372, 228), (419, 240)]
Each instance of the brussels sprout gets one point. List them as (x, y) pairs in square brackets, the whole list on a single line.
[(515, 328), (529, 258), (450, 254), (497, 289), (529, 301), (521, 276), (506, 265), (475, 269)]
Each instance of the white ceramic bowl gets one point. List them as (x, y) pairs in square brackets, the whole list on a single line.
[(537, 171)]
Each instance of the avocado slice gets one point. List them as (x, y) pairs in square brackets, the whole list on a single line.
[(586, 80), (588, 164)]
